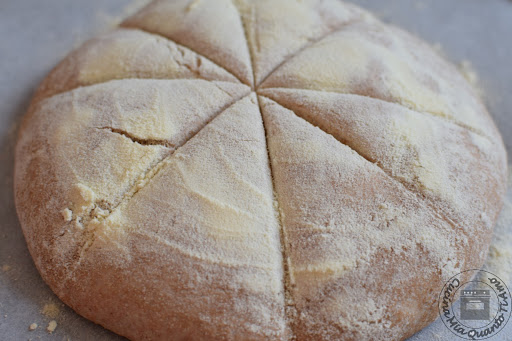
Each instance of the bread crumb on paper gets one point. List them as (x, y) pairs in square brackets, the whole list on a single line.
[(32, 327), (6, 268), (51, 310), (51, 326)]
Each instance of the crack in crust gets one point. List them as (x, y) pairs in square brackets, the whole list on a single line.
[(141, 141), (142, 181), (144, 178)]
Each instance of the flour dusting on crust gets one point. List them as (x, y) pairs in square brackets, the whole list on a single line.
[(258, 169)]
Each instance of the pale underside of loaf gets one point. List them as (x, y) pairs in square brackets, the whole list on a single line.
[(283, 173)]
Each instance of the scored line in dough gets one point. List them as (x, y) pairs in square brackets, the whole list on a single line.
[(150, 173), (434, 208), (444, 118), (287, 278)]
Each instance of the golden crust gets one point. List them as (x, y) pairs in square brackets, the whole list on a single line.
[(283, 173)]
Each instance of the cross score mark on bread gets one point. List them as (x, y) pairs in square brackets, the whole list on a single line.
[(294, 169)]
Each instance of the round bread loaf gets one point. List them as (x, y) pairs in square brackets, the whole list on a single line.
[(257, 170)]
